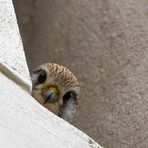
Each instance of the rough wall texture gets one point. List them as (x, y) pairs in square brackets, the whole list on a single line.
[(104, 42)]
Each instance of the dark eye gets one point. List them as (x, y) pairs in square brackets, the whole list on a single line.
[(42, 77), (68, 95)]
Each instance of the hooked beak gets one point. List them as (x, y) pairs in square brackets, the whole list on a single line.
[(49, 94)]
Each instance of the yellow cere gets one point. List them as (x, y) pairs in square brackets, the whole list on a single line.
[(53, 89)]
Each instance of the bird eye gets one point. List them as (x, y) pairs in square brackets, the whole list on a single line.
[(42, 77), (68, 95)]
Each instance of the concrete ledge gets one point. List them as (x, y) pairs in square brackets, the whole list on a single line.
[(12, 56)]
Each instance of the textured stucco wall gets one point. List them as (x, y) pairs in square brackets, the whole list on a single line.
[(104, 42)]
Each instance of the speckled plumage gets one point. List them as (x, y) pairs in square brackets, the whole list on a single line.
[(61, 79)]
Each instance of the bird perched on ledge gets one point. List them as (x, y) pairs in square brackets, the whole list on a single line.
[(56, 88)]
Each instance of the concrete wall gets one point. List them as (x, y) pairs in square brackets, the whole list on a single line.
[(104, 42)]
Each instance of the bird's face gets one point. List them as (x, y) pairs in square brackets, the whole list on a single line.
[(56, 88)]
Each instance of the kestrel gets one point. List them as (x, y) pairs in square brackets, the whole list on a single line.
[(56, 88)]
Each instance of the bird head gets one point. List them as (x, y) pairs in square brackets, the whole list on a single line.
[(56, 88)]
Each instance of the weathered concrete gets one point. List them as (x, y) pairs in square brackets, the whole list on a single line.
[(105, 43), (11, 63)]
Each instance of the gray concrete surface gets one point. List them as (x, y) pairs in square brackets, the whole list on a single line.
[(104, 42)]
